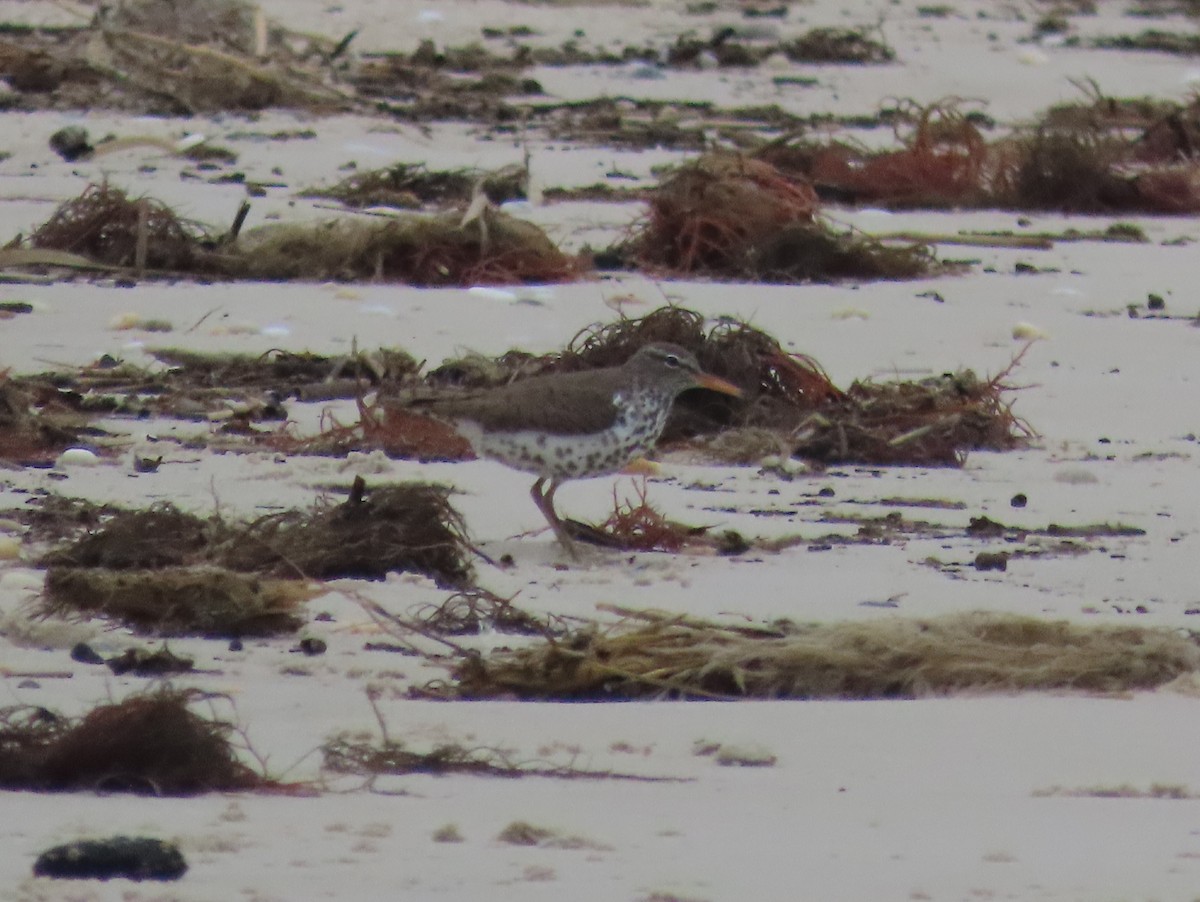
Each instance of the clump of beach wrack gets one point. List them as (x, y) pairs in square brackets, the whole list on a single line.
[(1099, 155), (107, 229), (34, 428), (651, 654), (168, 572), (723, 215), (150, 743)]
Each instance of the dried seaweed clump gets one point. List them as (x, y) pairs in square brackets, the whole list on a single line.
[(654, 655), (400, 527), (107, 226), (395, 430), (149, 744), (932, 422), (426, 250), (729, 216), (1065, 169), (342, 755), (191, 600), (637, 526), (25, 433), (1154, 40), (167, 572), (284, 371), (260, 381), (253, 387), (1078, 158), (413, 185), (152, 570), (1092, 171), (476, 611), (103, 227), (942, 162), (159, 536), (837, 45)]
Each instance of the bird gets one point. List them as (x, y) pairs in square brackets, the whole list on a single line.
[(563, 426)]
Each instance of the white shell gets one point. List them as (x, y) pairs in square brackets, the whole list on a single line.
[(1024, 331), (77, 457)]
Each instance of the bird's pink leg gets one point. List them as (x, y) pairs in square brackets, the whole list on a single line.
[(545, 503)]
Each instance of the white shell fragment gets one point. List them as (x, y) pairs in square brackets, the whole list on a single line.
[(77, 457), (1024, 331)]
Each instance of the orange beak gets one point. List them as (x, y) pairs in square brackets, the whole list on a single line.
[(716, 383)]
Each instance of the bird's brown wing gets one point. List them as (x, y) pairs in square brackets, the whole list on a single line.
[(561, 404)]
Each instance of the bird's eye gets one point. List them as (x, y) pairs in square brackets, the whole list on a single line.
[(671, 360)]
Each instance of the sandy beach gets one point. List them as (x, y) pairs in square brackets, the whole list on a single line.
[(1047, 795)]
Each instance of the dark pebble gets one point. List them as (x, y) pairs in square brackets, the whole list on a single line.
[(312, 646), (131, 857), (1019, 500), (85, 654), (71, 143), (991, 560), (732, 542)]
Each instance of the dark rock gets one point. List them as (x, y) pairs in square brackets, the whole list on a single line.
[(85, 654), (312, 646), (991, 560), (131, 857), (71, 143)]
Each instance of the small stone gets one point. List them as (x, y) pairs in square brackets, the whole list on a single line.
[(1018, 500), (71, 143), (991, 560), (313, 647), (131, 857), (85, 654)]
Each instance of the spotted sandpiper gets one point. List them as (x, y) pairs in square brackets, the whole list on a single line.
[(565, 426)]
